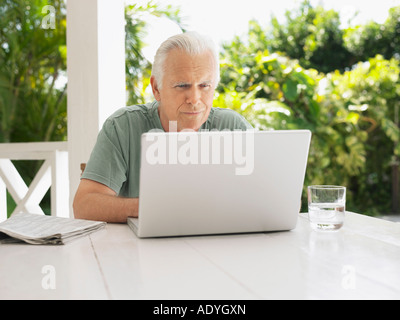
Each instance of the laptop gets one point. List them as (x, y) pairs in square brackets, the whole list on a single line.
[(220, 182)]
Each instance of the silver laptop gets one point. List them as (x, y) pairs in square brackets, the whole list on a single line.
[(220, 182)]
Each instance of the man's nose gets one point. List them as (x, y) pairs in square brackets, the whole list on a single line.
[(193, 96)]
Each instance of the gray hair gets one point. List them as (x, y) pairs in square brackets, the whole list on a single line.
[(191, 43)]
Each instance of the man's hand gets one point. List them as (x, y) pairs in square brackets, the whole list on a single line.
[(95, 201)]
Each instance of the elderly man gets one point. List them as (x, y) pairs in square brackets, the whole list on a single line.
[(184, 77)]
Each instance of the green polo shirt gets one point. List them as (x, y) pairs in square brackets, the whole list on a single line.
[(115, 159)]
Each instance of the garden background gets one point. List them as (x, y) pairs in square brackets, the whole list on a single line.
[(306, 72)]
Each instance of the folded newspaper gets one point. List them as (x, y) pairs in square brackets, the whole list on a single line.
[(42, 229)]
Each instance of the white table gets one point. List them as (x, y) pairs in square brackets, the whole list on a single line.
[(361, 261)]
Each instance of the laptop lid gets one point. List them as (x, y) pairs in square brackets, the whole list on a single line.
[(220, 182)]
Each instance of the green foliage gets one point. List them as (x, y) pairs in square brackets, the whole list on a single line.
[(138, 69), (32, 59), (313, 36), (370, 94), (366, 41)]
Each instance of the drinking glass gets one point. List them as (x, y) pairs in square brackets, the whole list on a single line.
[(326, 207)]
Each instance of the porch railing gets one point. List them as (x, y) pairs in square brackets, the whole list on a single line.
[(53, 173)]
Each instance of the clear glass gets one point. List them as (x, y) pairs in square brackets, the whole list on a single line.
[(326, 207)]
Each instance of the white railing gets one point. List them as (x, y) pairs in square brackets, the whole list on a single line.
[(53, 173)]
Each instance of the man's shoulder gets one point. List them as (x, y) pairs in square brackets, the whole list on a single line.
[(226, 113), (224, 110), (132, 111), (223, 118), (134, 119)]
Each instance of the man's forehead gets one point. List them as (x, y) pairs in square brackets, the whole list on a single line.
[(180, 59), (189, 75), (182, 67)]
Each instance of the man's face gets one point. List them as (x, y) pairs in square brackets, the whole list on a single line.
[(187, 90)]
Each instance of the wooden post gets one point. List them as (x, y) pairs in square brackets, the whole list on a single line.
[(59, 187), (96, 75)]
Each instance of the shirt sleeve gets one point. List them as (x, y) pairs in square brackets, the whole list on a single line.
[(106, 164)]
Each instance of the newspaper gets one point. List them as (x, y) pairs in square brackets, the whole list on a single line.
[(42, 229)]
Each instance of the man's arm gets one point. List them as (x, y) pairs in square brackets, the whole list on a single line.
[(95, 201)]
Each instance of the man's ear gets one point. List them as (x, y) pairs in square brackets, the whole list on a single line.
[(154, 87)]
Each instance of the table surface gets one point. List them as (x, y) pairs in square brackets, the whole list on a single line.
[(361, 261)]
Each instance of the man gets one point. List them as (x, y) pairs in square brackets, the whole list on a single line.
[(184, 77)]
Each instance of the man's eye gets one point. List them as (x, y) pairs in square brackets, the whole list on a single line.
[(182, 85)]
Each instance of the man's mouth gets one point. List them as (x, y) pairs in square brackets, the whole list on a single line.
[(192, 112)]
